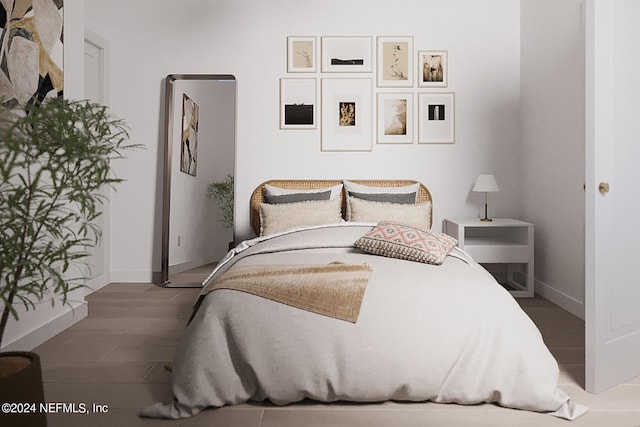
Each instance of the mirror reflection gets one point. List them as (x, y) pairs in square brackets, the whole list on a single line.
[(199, 156)]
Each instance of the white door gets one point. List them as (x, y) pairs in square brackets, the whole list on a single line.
[(94, 90), (613, 159)]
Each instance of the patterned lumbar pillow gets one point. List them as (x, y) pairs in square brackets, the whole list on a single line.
[(402, 241)]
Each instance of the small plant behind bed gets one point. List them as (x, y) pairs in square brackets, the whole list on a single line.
[(222, 193)]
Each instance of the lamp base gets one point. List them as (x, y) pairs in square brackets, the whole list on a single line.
[(486, 211)]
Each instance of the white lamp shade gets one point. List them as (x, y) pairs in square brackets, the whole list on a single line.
[(486, 183)]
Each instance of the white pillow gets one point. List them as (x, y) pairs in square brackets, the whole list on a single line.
[(418, 215), (275, 218), (359, 188), (271, 190)]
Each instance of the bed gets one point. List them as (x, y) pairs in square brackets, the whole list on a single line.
[(348, 295)]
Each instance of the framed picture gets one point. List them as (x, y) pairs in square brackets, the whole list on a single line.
[(436, 118), (395, 118), (346, 54), (297, 103), (346, 115), (432, 68), (395, 61), (189, 139), (301, 55)]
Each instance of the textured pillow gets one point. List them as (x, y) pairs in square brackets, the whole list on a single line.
[(417, 215), (336, 190), (359, 188), (402, 198), (401, 241), (275, 218), (273, 199)]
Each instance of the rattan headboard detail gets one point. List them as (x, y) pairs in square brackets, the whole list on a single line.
[(258, 194)]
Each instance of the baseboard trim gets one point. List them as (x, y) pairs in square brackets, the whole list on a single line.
[(135, 276), (132, 277), (48, 330), (188, 265), (97, 283), (560, 299)]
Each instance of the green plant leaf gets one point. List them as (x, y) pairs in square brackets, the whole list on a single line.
[(222, 192)]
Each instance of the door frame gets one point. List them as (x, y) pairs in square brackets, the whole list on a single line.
[(103, 47)]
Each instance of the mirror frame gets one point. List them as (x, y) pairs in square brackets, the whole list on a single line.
[(170, 81)]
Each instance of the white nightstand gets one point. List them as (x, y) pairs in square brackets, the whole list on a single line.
[(501, 241)]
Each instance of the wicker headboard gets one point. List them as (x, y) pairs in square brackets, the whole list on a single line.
[(258, 194)]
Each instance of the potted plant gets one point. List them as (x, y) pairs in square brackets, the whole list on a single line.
[(222, 193), (55, 157)]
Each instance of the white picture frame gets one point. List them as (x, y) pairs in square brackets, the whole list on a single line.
[(395, 61), (436, 118), (346, 114), (395, 118), (433, 68), (301, 54), (298, 103), (351, 54)]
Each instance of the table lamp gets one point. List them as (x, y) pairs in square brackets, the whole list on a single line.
[(485, 183)]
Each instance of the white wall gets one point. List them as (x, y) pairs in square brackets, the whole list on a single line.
[(553, 126), (152, 38)]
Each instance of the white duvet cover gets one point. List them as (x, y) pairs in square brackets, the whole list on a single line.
[(447, 333)]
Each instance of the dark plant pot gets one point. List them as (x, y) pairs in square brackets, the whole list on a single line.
[(21, 384)]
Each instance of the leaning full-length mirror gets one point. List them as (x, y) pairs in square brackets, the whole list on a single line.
[(199, 143)]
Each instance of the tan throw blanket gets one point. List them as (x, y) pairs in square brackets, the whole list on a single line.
[(335, 290)]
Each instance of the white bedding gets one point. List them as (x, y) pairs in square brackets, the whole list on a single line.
[(446, 333)]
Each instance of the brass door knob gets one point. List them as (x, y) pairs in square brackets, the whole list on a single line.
[(603, 187)]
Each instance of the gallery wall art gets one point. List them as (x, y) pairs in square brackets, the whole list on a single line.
[(346, 54), (395, 118), (297, 103), (31, 50), (432, 68), (436, 118), (395, 61), (346, 114), (301, 55), (350, 111)]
